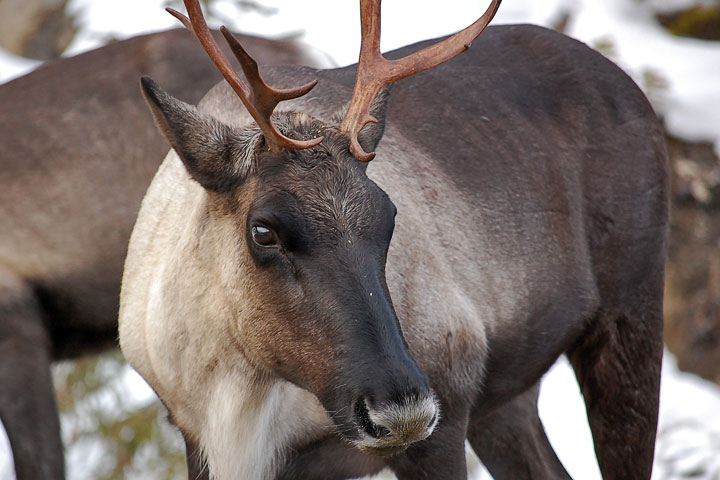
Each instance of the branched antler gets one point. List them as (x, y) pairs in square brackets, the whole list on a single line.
[(375, 71), (258, 97)]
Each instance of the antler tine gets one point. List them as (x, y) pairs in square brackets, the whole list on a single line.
[(259, 98), (252, 73), (375, 71)]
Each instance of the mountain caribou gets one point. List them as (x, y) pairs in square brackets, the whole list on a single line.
[(305, 314), (78, 151)]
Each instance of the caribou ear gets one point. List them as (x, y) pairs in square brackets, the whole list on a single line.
[(216, 155), (371, 133)]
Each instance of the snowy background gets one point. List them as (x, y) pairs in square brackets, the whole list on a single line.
[(680, 75)]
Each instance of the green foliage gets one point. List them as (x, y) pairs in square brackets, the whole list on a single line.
[(655, 87), (702, 21), (112, 433), (606, 46)]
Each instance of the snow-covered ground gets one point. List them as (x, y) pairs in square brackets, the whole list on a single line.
[(682, 77)]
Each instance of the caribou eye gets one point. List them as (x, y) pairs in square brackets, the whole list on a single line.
[(263, 236)]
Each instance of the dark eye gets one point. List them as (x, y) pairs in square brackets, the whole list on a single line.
[(263, 236)]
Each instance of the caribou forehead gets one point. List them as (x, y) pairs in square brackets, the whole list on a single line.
[(327, 184)]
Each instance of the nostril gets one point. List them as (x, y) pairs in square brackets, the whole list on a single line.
[(431, 423), (363, 416)]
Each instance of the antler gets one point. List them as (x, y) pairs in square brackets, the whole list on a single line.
[(259, 98), (375, 71)]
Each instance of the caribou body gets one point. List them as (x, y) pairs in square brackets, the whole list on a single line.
[(303, 314), (77, 153)]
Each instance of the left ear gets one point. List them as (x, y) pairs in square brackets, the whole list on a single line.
[(216, 155), (371, 133)]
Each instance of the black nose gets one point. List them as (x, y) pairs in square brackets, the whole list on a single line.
[(400, 423), (362, 416)]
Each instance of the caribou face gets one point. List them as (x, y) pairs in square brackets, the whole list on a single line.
[(318, 231), (313, 233)]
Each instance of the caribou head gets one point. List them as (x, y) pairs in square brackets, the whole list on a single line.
[(309, 233)]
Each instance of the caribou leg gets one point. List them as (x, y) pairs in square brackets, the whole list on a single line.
[(197, 468), (330, 459), (511, 441), (618, 368), (27, 399), (442, 455)]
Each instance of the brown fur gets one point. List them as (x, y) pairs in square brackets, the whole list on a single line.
[(530, 182), (78, 151)]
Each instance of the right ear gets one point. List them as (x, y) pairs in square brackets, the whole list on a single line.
[(372, 133), (216, 155)]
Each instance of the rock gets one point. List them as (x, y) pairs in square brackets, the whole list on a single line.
[(692, 287)]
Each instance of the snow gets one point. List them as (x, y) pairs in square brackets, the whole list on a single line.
[(6, 463), (681, 76), (689, 68), (688, 431), (12, 66), (562, 412)]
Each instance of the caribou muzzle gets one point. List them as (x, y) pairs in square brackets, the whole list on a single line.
[(379, 397), (375, 392), (390, 428), (388, 405)]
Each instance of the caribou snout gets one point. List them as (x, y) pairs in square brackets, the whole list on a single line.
[(389, 428)]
